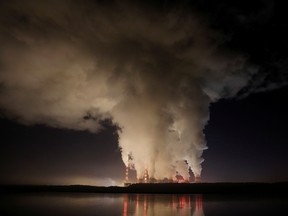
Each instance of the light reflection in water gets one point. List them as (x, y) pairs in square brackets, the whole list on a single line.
[(140, 204), (146, 205)]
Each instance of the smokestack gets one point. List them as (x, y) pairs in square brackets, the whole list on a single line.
[(197, 179), (127, 174), (127, 183), (146, 176)]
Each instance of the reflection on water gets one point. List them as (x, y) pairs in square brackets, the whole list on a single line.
[(140, 204), (144, 204)]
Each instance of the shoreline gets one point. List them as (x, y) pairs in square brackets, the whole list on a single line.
[(278, 188)]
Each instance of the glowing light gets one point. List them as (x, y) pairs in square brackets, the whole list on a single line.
[(125, 208)]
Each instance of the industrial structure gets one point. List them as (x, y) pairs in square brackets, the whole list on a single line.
[(147, 179)]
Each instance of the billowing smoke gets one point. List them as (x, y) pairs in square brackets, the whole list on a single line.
[(153, 72)]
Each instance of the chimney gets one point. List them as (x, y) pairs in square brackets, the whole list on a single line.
[(146, 176), (127, 174), (197, 179)]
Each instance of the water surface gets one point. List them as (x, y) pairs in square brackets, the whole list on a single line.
[(140, 204)]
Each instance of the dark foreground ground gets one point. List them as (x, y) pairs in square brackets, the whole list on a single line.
[(169, 188)]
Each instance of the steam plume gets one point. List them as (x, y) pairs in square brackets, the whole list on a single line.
[(153, 72)]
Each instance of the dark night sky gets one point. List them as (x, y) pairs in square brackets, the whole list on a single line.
[(248, 139), (246, 135)]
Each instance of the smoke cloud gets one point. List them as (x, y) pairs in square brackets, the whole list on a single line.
[(153, 72)]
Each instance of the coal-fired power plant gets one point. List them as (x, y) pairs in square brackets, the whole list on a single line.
[(145, 178), (150, 72)]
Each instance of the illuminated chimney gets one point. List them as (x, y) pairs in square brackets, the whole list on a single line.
[(197, 179), (127, 174), (145, 175), (126, 183)]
